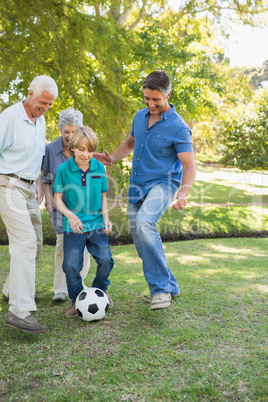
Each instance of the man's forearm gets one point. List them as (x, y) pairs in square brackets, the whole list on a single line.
[(188, 179), (123, 150)]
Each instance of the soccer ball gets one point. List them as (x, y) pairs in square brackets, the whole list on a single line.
[(92, 304)]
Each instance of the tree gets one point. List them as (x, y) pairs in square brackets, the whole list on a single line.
[(99, 52), (247, 134)]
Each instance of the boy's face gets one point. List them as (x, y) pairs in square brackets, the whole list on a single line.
[(82, 155)]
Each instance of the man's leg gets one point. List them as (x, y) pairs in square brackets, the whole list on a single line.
[(60, 286), (18, 218), (143, 218)]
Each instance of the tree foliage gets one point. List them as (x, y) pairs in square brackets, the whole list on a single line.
[(99, 52), (247, 135)]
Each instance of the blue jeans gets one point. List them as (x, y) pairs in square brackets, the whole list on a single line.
[(97, 245), (143, 218)]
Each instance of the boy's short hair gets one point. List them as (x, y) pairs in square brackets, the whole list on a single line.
[(79, 134)]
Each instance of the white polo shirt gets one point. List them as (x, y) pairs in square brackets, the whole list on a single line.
[(22, 143)]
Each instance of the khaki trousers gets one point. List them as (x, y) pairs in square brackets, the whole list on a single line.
[(60, 285), (22, 218)]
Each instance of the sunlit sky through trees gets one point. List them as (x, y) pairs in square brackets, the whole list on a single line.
[(246, 46)]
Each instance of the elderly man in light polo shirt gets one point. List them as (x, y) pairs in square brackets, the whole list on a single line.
[(22, 147)]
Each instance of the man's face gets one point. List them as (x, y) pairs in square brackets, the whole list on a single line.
[(38, 105), (156, 102)]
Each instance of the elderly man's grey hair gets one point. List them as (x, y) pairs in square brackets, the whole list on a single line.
[(158, 80), (70, 117), (43, 83)]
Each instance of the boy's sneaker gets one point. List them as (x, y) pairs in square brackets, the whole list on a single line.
[(161, 300), (111, 303), (71, 312), (28, 324)]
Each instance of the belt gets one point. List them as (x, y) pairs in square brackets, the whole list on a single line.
[(19, 178)]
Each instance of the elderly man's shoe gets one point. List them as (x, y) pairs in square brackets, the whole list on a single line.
[(28, 324), (161, 300)]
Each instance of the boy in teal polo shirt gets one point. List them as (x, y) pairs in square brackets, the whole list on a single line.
[(80, 195)]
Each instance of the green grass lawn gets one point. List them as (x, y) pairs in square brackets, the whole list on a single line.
[(209, 345)]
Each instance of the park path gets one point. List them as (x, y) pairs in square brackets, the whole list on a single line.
[(253, 182)]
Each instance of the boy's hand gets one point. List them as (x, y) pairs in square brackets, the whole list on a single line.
[(108, 227), (76, 224)]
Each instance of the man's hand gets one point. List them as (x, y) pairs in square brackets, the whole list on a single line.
[(49, 204), (179, 201), (105, 158), (39, 191)]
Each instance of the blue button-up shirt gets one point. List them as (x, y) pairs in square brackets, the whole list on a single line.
[(155, 158)]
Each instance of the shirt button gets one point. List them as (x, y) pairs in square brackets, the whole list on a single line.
[(142, 145)]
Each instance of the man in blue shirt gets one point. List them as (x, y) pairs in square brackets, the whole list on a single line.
[(163, 171)]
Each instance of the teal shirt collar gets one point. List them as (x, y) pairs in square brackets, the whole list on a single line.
[(94, 165)]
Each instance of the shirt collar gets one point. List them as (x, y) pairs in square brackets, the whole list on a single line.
[(59, 145), (94, 165), (22, 112), (23, 115), (166, 115)]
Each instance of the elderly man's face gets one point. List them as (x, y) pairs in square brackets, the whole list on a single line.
[(38, 105), (156, 102)]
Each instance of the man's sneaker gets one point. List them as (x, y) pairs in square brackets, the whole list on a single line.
[(71, 312), (148, 299), (28, 324), (59, 296), (161, 300), (111, 303)]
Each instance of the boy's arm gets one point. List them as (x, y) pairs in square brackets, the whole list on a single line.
[(104, 210), (74, 221)]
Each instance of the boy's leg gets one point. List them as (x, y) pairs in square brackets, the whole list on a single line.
[(98, 247), (73, 246)]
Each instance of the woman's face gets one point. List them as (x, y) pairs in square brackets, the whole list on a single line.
[(66, 133)]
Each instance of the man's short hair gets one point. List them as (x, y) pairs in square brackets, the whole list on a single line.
[(78, 135), (43, 83), (158, 80)]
